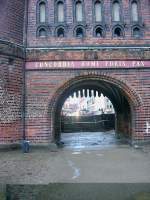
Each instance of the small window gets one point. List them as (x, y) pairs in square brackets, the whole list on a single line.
[(42, 12), (134, 11), (42, 32), (136, 32), (98, 11), (116, 11), (60, 33), (118, 32), (99, 32), (79, 11), (79, 33), (60, 12)]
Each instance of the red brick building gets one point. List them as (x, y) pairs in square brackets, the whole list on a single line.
[(50, 49)]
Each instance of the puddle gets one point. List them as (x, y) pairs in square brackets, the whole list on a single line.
[(100, 154), (76, 153), (90, 140)]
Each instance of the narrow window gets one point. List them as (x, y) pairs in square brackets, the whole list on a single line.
[(42, 32), (79, 13), (79, 33), (99, 32), (60, 11), (42, 10), (134, 11), (136, 32), (118, 32), (98, 11), (60, 32), (116, 11)]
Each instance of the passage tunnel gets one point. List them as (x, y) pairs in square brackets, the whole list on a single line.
[(115, 94)]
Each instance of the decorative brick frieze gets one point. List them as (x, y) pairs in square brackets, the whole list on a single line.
[(95, 54), (89, 25)]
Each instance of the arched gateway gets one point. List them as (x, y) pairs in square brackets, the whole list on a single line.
[(125, 100), (42, 62), (50, 83)]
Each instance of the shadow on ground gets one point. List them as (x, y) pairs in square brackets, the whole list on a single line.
[(84, 191)]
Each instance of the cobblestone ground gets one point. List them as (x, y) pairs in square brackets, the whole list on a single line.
[(106, 163)]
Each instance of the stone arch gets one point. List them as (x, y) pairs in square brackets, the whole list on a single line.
[(137, 31), (79, 31), (118, 31), (65, 90), (60, 31), (99, 31)]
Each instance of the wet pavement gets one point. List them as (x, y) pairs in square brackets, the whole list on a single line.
[(85, 158), (91, 140)]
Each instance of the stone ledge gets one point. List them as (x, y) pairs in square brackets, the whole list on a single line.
[(17, 146), (10, 146), (140, 142), (11, 49)]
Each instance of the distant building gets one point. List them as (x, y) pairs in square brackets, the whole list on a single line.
[(87, 105)]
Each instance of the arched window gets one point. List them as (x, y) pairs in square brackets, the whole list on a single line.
[(42, 32), (79, 11), (118, 32), (60, 33), (79, 32), (60, 11), (42, 12), (136, 32), (99, 32), (134, 11), (98, 11), (116, 11)]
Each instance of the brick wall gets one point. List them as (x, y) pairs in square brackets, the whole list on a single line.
[(11, 70), (43, 87), (42, 92), (11, 23), (10, 99)]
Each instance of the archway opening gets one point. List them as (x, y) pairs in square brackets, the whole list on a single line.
[(87, 119), (136, 32), (118, 32), (79, 33), (118, 122), (60, 33), (99, 32)]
